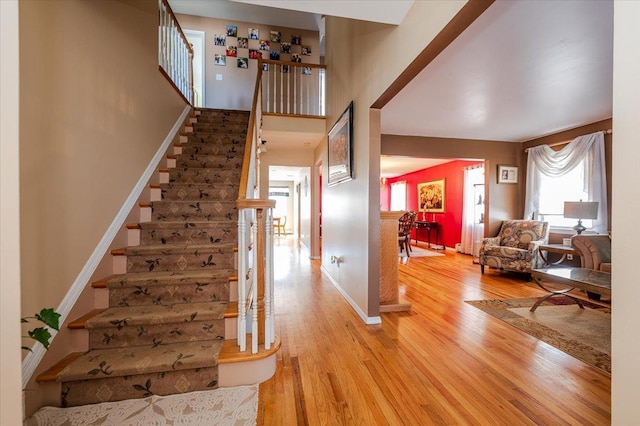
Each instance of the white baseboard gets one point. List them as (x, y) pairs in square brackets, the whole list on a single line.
[(31, 361), (367, 319)]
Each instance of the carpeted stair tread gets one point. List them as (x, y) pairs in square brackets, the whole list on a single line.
[(135, 360), (166, 277), (168, 224), (157, 314), (192, 232), (176, 249)]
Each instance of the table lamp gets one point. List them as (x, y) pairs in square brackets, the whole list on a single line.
[(580, 210)]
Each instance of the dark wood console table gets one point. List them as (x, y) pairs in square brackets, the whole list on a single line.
[(428, 226)]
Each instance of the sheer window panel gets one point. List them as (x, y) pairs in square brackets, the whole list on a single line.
[(399, 196)]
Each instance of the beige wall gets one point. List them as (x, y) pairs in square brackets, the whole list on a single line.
[(235, 90), (626, 202), (362, 60), (93, 111), (502, 201)]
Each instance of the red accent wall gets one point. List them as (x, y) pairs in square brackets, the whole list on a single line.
[(451, 220)]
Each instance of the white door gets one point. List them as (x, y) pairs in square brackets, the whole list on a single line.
[(197, 38)]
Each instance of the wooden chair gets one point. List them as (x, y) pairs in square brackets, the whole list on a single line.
[(281, 226), (405, 223)]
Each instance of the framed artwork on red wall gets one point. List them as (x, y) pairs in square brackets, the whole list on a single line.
[(431, 196)]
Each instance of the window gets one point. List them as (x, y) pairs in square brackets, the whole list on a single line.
[(573, 173), (557, 190), (399, 196), (281, 196)]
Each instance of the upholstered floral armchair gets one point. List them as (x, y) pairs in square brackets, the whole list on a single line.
[(516, 246)]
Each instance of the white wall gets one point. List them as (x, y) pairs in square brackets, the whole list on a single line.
[(626, 202), (10, 356)]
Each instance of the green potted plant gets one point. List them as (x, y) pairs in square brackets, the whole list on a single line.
[(50, 319)]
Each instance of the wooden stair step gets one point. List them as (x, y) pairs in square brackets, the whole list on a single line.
[(51, 374), (230, 351), (79, 323)]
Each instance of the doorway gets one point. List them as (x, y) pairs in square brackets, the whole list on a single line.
[(197, 40)]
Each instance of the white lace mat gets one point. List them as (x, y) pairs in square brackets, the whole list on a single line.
[(223, 406)]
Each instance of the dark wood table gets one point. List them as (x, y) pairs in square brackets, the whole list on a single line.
[(428, 226), (585, 279)]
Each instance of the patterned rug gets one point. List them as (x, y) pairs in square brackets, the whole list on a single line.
[(584, 334), (420, 252), (222, 406)]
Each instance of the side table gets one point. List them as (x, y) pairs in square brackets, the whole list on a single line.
[(558, 249)]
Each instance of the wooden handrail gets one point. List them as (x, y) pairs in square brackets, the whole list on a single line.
[(246, 161), (295, 64)]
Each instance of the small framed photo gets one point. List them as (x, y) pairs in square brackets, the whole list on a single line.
[(232, 31), (507, 174), (243, 63), (295, 57), (263, 45), (306, 71), (220, 60), (254, 54), (243, 43), (265, 67), (220, 40), (296, 39), (274, 55), (232, 51), (253, 33), (275, 36), (306, 50), (285, 47)]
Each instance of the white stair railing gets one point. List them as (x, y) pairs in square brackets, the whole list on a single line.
[(175, 54), (293, 88), (255, 244)]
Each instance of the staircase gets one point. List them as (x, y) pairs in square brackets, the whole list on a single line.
[(164, 328)]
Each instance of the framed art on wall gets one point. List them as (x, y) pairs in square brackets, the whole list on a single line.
[(507, 174), (431, 196), (341, 148)]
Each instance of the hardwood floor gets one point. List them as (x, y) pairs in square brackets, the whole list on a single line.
[(445, 362)]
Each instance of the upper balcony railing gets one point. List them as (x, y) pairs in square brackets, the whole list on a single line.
[(175, 54), (292, 88)]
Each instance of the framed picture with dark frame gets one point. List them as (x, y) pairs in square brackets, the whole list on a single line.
[(431, 196), (507, 174), (340, 145)]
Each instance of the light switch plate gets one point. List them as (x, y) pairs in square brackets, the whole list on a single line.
[(219, 77)]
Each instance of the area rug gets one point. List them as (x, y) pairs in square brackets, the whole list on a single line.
[(420, 252), (584, 334), (222, 406)]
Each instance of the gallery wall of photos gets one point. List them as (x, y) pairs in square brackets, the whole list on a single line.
[(238, 45)]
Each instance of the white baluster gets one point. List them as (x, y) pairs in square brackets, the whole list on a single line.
[(242, 273), (254, 288), (268, 266)]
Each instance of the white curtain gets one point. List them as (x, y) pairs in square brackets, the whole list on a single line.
[(544, 160), (472, 175)]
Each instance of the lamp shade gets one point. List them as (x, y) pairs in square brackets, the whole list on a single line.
[(581, 209)]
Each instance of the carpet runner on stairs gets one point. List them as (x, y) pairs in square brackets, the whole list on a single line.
[(164, 327)]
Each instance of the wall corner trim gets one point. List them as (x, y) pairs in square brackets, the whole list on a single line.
[(367, 320), (32, 360)]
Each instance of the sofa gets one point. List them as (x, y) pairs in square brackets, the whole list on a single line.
[(515, 248)]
